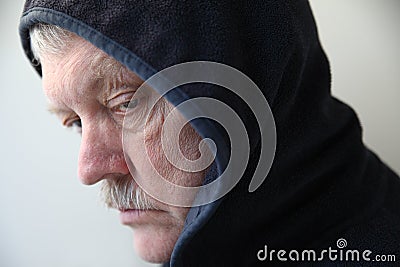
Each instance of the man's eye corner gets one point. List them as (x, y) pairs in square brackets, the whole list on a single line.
[(125, 106), (131, 104), (75, 125)]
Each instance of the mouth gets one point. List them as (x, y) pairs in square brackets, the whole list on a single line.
[(133, 217)]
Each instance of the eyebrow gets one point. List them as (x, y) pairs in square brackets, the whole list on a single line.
[(118, 78), (56, 110)]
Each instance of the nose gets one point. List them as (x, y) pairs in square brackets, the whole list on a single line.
[(100, 156)]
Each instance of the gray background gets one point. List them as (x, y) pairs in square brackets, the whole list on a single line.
[(49, 219)]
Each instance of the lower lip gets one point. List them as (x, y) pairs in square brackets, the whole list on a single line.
[(129, 217)]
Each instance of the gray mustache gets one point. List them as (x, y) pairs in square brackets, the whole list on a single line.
[(122, 193)]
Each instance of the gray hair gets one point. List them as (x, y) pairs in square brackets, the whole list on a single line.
[(47, 38)]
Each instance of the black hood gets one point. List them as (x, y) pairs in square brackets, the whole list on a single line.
[(323, 184)]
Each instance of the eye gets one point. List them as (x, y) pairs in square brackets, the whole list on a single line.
[(130, 109), (75, 124), (129, 105), (123, 103)]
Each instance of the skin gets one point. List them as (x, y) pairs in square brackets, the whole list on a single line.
[(96, 104)]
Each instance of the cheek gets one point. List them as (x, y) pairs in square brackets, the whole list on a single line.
[(188, 142)]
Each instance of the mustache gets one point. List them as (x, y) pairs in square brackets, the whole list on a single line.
[(122, 193)]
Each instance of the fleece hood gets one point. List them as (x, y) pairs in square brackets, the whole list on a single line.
[(323, 184)]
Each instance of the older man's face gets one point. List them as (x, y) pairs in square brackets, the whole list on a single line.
[(84, 91)]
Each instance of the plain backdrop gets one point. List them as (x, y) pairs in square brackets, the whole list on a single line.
[(49, 219)]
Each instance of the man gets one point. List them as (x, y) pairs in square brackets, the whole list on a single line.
[(324, 185), (88, 89)]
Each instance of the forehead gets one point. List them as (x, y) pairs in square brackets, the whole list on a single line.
[(83, 70), (71, 68)]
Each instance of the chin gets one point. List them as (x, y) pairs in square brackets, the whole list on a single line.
[(154, 245)]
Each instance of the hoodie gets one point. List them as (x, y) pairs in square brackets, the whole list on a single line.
[(323, 187)]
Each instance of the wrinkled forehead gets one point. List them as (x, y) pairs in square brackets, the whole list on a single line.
[(72, 67), (76, 56), (80, 65)]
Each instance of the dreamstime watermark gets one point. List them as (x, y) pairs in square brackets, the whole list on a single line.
[(340, 253), (208, 108)]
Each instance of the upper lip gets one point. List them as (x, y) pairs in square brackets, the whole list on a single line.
[(123, 210), (132, 209)]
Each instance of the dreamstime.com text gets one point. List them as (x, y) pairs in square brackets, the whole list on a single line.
[(330, 254)]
